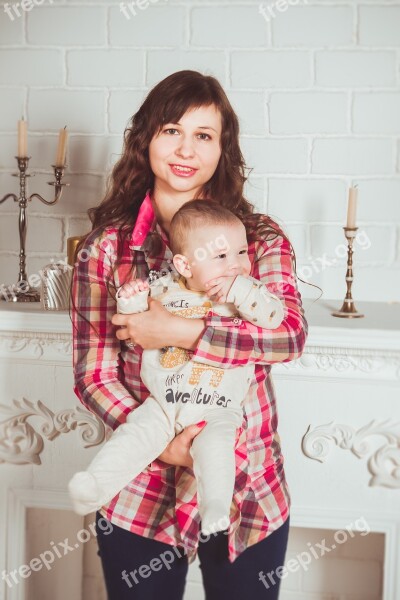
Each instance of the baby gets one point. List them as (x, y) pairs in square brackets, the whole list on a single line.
[(210, 254)]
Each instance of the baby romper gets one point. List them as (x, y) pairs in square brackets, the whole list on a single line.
[(182, 392)]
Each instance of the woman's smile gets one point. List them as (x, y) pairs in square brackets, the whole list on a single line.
[(182, 171)]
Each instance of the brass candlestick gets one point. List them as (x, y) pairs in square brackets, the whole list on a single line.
[(24, 292), (348, 309)]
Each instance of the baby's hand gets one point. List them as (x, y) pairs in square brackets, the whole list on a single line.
[(219, 287), (133, 287)]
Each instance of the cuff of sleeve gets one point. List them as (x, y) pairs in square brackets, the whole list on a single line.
[(158, 465), (240, 289)]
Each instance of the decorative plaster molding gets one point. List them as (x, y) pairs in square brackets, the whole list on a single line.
[(383, 464), (20, 443), (316, 361), (348, 362), (37, 343)]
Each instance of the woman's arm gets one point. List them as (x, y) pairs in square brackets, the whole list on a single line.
[(96, 358), (229, 342)]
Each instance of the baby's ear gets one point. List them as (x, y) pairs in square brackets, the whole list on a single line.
[(181, 264)]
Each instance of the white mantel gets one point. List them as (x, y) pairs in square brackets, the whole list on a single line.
[(339, 423)]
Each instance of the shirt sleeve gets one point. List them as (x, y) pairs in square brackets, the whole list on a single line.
[(229, 342), (255, 303), (97, 364)]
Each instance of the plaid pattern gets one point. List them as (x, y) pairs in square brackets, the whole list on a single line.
[(160, 503)]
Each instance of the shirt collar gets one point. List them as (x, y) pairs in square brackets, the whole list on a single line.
[(146, 222)]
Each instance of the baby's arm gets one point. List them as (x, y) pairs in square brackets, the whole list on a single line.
[(255, 303), (133, 297)]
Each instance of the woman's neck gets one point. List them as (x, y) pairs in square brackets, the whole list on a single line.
[(165, 206)]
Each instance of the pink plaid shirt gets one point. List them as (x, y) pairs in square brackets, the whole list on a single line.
[(160, 503)]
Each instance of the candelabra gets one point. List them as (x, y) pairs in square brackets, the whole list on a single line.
[(348, 309), (22, 291)]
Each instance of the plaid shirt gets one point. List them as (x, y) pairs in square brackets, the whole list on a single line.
[(160, 502)]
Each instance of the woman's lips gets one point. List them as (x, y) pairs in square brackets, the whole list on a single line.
[(182, 172)]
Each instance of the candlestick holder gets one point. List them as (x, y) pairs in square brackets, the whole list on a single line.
[(22, 291), (348, 309)]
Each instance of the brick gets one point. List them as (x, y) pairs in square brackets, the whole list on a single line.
[(376, 112), (288, 69), (254, 192), (81, 111), (94, 153), (246, 28), (161, 63), (31, 67), (67, 25), (11, 27), (83, 192), (151, 26), (267, 156), (374, 244), (379, 200), (379, 25), (12, 107), (308, 199), (251, 111), (308, 112), (105, 67), (78, 227), (297, 235), (352, 156), (122, 106), (313, 26), (351, 68), (36, 241)]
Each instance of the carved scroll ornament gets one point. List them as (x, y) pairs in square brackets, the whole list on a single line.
[(383, 464), (21, 443)]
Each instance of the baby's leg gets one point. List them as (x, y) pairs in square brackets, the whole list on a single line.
[(132, 446), (213, 452)]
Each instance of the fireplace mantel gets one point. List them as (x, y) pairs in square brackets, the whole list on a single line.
[(339, 423)]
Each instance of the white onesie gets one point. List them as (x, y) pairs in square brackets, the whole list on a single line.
[(182, 392)]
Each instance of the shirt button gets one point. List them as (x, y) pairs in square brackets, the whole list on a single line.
[(237, 321)]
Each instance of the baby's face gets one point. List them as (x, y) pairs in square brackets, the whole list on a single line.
[(217, 251)]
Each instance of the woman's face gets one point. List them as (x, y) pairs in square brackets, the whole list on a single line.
[(185, 155)]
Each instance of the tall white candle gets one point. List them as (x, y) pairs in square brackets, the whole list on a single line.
[(62, 147), (22, 138), (352, 207)]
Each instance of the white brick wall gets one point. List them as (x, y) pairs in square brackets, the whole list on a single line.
[(317, 92)]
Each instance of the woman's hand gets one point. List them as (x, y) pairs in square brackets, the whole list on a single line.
[(148, 329), (177, 452), (157, 327)]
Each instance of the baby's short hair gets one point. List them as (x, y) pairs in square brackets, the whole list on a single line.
[(194, 214)]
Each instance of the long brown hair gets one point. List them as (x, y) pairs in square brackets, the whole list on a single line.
[(132, 176)]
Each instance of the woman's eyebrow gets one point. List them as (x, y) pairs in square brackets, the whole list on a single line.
[(199, 127)]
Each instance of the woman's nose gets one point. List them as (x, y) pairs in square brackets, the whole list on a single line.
[(185, 148)]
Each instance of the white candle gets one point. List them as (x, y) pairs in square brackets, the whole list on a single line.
[(62, 147), (352, 207), (22, 138)]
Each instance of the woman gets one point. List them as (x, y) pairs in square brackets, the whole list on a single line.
[(183, 144)]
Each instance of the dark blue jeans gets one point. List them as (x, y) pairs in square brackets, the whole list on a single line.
[(138, 568)]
